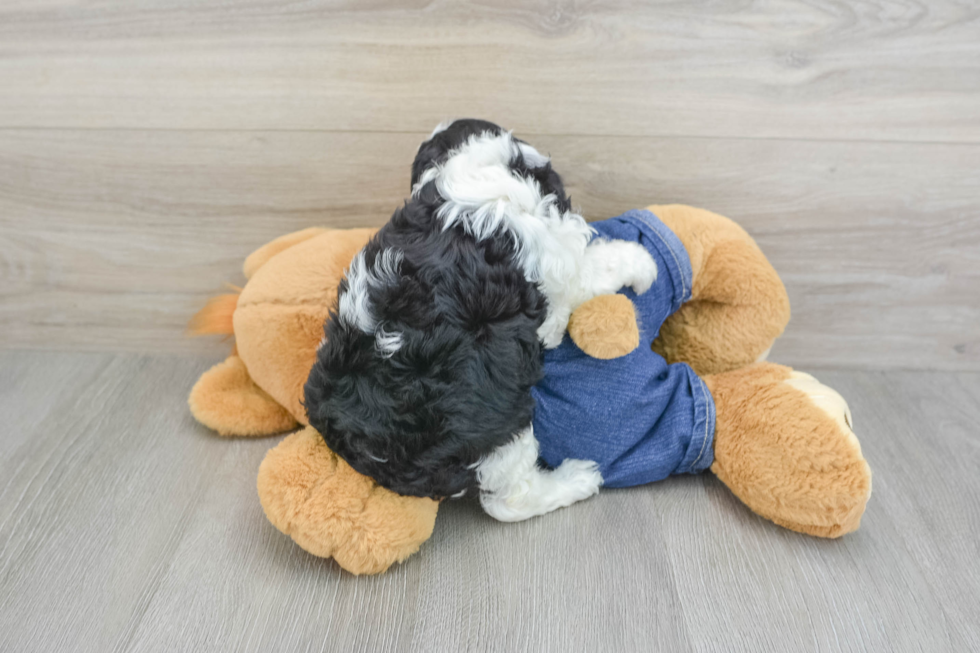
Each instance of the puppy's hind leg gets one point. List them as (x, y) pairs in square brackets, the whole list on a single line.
[(514, 488)]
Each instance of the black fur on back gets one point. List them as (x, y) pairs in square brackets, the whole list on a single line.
[(458, 387)]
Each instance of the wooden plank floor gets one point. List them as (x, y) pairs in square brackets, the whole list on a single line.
[(125, 526), (147, 147)]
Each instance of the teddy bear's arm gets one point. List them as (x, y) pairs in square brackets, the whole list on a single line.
[(738, 306), (605, 327), (227, 400)]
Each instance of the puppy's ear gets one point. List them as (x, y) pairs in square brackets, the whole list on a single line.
[(445, 138), (428, 155)]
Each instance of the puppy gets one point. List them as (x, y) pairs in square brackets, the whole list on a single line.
[(423, 379)]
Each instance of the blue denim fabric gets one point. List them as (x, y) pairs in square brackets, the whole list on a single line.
[(640, 419)]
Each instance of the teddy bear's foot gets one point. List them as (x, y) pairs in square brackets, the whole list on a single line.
[(312, 495), (227, 400), (784, 446)]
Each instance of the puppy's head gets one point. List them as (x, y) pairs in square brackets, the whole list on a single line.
[(429, 357), (419, 421), (449, 137)]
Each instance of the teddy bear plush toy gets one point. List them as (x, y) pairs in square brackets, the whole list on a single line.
[(672, 381)]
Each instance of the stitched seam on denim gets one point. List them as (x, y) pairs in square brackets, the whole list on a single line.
[(707, 421), (638, 214)]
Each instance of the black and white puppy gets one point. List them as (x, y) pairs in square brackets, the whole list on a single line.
[(423, 379)]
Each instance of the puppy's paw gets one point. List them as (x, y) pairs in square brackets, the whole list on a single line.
[(643, 269), (615, 264), (580, 479), (552, 330)]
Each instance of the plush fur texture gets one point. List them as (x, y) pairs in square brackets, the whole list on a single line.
[(787, 452), (739, 305), (227, 400), (287, 300), (312, 495), (264, 254), (605, 327)]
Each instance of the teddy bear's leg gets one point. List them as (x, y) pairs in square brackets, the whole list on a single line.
[(738, 304), (312, 495), (226, 400), (784, 445)]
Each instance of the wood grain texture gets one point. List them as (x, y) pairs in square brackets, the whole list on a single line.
[(147, 147), (882, 70), (111, 240), (125, 526)]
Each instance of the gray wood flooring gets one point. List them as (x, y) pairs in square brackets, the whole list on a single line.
[(147, 147), (125, 526)]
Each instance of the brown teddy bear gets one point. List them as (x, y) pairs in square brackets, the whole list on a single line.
[(781, 441)]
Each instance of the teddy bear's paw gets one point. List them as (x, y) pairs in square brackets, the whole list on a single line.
[(226, 400), (330, 510), (784, 444), (827, 399), (605, 327)]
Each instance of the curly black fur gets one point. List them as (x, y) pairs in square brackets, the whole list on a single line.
[(418, 420)]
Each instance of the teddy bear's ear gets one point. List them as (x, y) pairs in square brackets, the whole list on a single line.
[(605, 327), (259, 257)]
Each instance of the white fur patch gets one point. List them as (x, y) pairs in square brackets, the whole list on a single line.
[(532, 157), (387, 342), (487, 198), (354, 305), (514, 488)]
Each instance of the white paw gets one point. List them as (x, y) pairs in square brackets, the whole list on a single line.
[(644, 271), (580, 479), (552, 331)]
